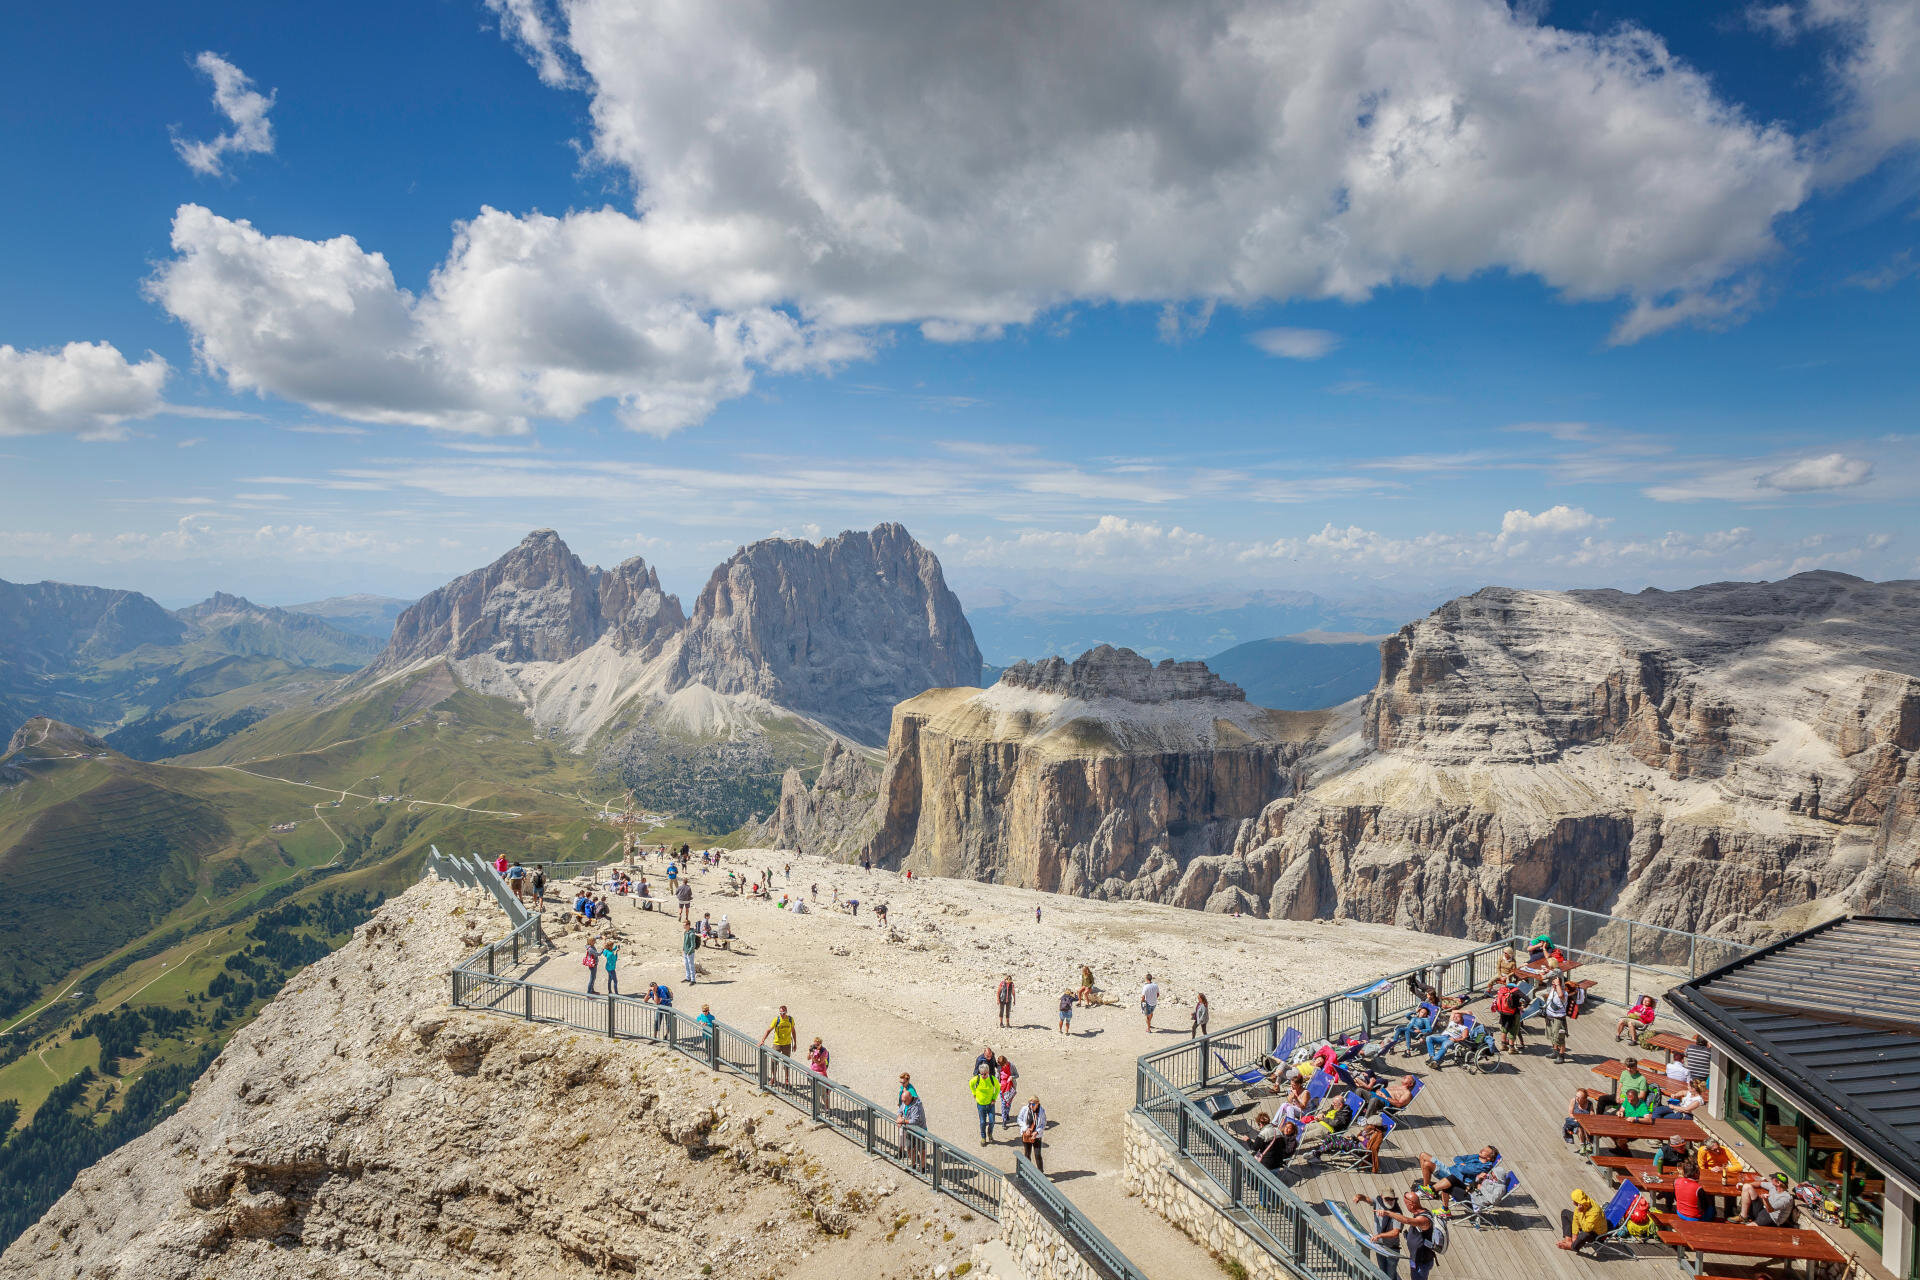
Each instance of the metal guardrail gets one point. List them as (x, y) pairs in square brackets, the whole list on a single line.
[(1085, 1238), (1596, 938), (477, 983)]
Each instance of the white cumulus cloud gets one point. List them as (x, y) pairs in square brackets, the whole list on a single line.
[(245, 109), (88, 388), (1815, 475), (807, 177), (1296, 344)]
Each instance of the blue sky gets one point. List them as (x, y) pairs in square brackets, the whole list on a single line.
[(1338, 296)]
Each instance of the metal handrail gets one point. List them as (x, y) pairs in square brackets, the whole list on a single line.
[(1088, 1241), (946, 1168)]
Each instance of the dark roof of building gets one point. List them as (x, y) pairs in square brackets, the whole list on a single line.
[(1831, 1017)]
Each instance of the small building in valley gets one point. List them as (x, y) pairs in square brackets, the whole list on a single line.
[(1816, 1059)]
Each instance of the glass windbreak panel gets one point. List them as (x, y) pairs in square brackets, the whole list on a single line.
[(1863, 1202), (1781, 1137), (1745, 1102)]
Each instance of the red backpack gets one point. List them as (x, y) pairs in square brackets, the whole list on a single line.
[(1503, 1000)]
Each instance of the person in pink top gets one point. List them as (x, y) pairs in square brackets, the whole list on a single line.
[(500, 865), (1638, 1019)]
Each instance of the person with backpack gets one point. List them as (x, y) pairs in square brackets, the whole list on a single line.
[(685, 898), (592, 961), (986, 1091), (689, 943), (1420, 1235), (1003, 996), (1009, 1078), (1506, 1003), (1065, 1021), (539, 886)]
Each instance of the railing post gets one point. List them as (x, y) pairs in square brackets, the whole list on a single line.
[(1205, 1043), (1299, 1234), (610, 1015), (516, 946), (868, 1113), (813, 1100), (761, 1066), (713, 1050), (1626, 997), (934, 1164), (1693, 967), (527, 991), (1326, 1019), (453, 977), (1273, 1032), (1180, 1127), (489, 962), (1237, 1192)]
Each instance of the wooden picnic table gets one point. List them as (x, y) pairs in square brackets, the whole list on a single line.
[(1744, 1240), (1713, 1182), (1622, 1130), (1671, 1041)]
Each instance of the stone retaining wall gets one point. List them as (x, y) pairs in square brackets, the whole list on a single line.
[(1029, 1248), (1151, 1173)]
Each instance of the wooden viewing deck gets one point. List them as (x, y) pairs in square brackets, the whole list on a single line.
[(1518, 1107)]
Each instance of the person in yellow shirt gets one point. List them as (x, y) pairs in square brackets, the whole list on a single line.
[(1582, 1224), (781, 1029), (986, 1091)]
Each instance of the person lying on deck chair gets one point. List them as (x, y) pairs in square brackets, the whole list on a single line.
[(1458, 1176), (1417, 1027)]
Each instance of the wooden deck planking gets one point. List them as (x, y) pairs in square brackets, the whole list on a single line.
[(1518, 1108)]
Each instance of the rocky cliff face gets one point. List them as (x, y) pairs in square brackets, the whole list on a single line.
[(838, 630), (1704, 759), (359, 1128), (1107, 776), (835, 818)]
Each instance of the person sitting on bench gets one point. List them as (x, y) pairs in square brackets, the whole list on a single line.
[(1582, 1105), (1688, 1203), (1767, 1203)]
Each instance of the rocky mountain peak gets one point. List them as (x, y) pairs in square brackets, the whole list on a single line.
[(840, 629), (536, 603), (638, 614), (1106, 672), (218, 603)]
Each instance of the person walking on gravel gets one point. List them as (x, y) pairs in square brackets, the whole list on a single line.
[(1033, 1132), (610, 959), (592, 961), (1201, 1010), (1149, 1000), (1004, 998), (689, 943), (781, 1029), (685, 898), (1065, 1023), (986, 1092)]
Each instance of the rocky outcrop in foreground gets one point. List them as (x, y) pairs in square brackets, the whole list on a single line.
[(1107, 776), (835, 631), (358, 1128), (1705, 759)]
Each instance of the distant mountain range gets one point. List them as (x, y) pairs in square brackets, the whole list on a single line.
[(157, 682), (1303, 672), (363, 615), (1010, 629)]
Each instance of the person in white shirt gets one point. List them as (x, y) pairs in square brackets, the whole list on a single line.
[(1149, 1000), (1033, 1130), (1677, 1070)]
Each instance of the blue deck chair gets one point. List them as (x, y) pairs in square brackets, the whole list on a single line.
[(1246, 1075), (1615, 1210), (1288, 1043), (1488, 1200)]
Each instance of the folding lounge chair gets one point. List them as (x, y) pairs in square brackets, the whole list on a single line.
[(1488, 1199), (1355, 1148), (1246, 1075)]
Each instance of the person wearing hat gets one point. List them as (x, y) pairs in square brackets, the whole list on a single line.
[(1582, 1224), (1766, 1202)]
